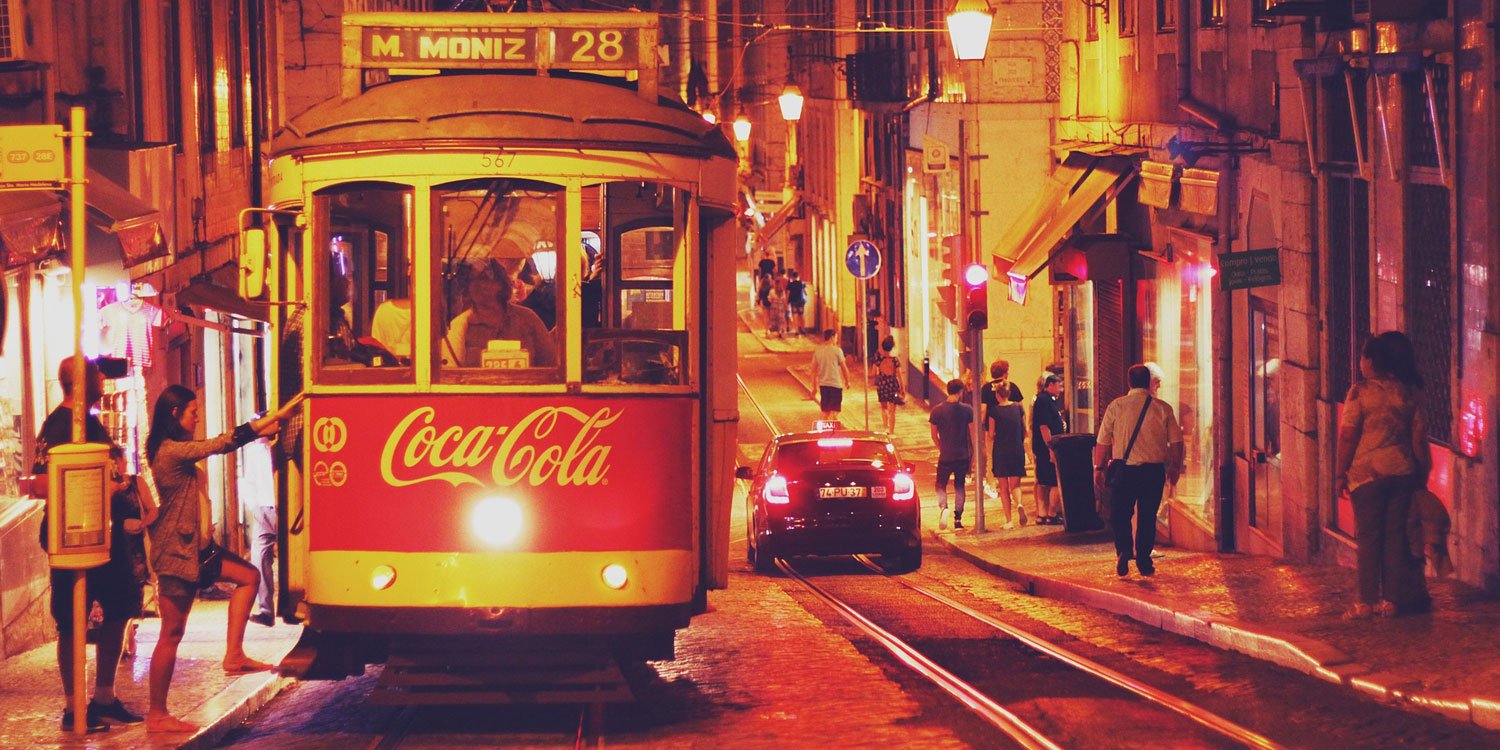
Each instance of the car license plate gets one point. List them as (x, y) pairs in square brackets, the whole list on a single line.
[(827, 492)]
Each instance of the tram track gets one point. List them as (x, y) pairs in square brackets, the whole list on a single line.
[(972, 685)]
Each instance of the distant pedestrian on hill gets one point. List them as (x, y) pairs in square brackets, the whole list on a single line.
[(1382, 461), (950, 423), (1047, 422), (832, 375), (796, 300), (1154, 458), (887, 378), (1005, 421)]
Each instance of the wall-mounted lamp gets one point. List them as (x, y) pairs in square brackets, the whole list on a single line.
[(791, 102), (710, 118), (969, 28), (741, 127)]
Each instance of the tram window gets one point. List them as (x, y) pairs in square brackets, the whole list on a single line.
[(363, 295), (495, 243), (641, 335)]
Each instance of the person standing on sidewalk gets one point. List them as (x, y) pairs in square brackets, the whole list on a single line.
[(1382, 460), (888, 387), (1145, 428), (1005, 421), (1047, 422), (796, 300), (832, 375), (950, 423), (261, 504), (113, 585)]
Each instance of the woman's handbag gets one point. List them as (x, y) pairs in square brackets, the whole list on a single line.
[(210, 564), (1114, 471)]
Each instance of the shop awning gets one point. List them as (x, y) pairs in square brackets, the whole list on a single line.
[(1078, 185), (205, 291), (33, 222), (778, 220)]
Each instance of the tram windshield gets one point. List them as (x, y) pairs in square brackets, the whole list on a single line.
[(495, 243), (497, 303)]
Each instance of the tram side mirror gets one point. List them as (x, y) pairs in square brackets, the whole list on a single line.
[(253, 244), (744, 472)]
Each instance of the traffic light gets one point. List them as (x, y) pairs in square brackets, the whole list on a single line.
[(976, 297), (947, 300), (953, 256)]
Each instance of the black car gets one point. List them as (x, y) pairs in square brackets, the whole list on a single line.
[(832, 492)]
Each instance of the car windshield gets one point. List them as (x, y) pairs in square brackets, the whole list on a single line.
[(832, 450)]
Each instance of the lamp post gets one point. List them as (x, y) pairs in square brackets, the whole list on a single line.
[(969, 26)]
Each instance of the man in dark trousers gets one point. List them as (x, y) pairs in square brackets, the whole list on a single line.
[(1047, 422), (950, 423), (112, 586), (1154, 459)]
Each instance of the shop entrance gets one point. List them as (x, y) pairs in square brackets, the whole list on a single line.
[(1259, 459)]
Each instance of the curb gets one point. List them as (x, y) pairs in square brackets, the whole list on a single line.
[(224, 712), (1306, 655)]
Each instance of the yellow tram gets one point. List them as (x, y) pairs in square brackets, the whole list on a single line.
[(509, 299)]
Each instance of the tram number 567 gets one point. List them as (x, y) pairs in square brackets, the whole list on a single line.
[(596, 46)]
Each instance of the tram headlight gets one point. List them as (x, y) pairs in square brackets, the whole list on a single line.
[(382, 577), (497, 521), (615, 576)]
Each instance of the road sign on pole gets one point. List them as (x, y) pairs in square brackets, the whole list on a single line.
[(862, 259)]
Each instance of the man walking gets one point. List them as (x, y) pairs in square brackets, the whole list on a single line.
[(950, 423), (259, 486), (1047, 422), (1143, 431), (832, 374)]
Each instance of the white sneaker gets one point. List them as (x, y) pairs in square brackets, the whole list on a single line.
[(1009, 525), (942, 518)]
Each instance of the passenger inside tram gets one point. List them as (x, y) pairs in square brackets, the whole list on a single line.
[(495, 332)]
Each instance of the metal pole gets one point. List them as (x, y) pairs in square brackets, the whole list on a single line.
[(975, 367), (864, 335), (76, 175)]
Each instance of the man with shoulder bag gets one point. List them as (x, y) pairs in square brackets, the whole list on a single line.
[(1137, 451)]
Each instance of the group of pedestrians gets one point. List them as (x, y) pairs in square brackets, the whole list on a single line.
[(166, 505), (781, 298)]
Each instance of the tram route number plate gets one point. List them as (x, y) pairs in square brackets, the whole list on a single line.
[(596, 48), (833, 492)]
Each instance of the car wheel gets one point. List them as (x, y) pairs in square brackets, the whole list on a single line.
[(903, 562), (762, 558)]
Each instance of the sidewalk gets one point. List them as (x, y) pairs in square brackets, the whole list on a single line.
[(31, 693), (1288, 614)]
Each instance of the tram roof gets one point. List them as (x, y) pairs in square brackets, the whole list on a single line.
[(510, 109)]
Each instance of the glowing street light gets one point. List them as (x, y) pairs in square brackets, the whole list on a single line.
[(969, 28), (791, 102), (741, 127)]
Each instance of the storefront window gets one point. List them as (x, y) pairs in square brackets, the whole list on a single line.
[(14, 463), (1080, 363), (932, 205), (1174, 310)]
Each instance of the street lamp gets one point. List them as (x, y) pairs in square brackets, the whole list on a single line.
[(791, 102), (741, 127), (969, 28)]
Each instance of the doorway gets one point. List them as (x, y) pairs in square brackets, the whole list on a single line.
[(1265, 507)]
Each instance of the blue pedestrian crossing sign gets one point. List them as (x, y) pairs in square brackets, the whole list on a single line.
[(862, 258)]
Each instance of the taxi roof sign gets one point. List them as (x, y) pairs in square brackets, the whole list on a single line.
[(826, 425), (426, 43)]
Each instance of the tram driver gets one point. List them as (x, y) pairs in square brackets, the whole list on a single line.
[(492, 315)]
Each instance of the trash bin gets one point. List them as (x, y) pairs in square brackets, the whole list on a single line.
[(1075, 477)]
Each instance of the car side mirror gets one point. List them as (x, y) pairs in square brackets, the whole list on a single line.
[(744, 472), (909, 468)]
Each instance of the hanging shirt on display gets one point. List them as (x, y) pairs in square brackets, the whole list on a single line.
[(128, 328)]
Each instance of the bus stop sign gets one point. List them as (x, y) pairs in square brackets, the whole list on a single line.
[(862, 259)]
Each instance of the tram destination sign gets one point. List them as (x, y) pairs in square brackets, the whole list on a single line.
[(405, 47), (563, 47), (1248, 269)]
